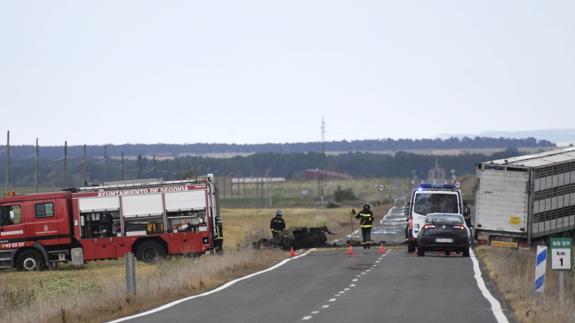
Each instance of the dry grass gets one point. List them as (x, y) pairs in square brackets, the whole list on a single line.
[(97, 294), (242, 226), (513, 272)]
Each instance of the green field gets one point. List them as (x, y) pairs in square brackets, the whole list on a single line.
[(300, 193)]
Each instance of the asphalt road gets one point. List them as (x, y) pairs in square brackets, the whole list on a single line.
[(331, 286)]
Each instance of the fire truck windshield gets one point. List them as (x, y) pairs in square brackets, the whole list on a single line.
[(435, 202)]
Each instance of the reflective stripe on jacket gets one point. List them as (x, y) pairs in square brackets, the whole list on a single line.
[(365, 218)]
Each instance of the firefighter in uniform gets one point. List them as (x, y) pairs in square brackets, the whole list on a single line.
[(219, 239), (277, 225), (365, 217)]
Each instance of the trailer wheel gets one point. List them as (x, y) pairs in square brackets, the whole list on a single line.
[(150, 252), (30, 260)]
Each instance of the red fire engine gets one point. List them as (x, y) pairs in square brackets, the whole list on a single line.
[(149, 218)]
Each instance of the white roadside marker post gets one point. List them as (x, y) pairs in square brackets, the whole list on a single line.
[(540, 266)]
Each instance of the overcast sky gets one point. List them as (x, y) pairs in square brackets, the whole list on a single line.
[(267, 71)]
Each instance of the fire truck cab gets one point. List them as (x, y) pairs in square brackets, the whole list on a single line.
[(149, 218)]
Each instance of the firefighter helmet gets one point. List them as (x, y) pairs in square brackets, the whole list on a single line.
[(279, 213)]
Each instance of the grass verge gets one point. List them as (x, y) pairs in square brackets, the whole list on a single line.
[(96, 292), (513, 272)]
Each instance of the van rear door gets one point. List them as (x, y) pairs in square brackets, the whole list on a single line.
[(502, 201)]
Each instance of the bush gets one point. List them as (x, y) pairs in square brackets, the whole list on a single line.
[(341, 195)]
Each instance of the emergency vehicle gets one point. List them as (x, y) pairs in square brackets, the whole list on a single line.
[(151, 218), (429, 198)]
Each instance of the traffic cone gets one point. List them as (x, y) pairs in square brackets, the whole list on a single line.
[(381, 249), (350, 250), (292, 252)]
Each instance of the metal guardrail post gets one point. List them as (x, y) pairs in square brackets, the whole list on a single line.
[(130, 273)]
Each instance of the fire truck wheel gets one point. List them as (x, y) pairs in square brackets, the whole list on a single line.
[(150, 251), (30, 260)]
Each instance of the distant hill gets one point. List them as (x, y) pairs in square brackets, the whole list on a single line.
[(229, 150)]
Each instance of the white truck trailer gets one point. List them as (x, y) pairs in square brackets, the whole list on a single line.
[(526, 198)]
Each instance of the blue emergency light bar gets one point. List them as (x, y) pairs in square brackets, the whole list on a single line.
[(430, 186)]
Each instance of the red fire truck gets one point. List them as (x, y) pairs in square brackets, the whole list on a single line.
[(149, 218)]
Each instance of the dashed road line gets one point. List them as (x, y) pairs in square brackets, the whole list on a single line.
[(341, 292)]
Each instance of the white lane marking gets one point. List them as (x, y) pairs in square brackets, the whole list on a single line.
[(332, 299), (224, 286), (305, 318), (341, 292), (378, 261), (315, 312), (351, 285), (346, 289), (354, 280), (388, 213), (495, 305), (325, 306)]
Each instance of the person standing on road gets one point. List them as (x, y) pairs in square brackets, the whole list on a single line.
[(277, 225), (365, 217)]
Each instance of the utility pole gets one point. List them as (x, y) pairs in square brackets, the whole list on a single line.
[(36, 170), (7, 166), (123, 167), (268, 187), (322, 162), (139, 166), (167, 169), (65, 163), (85, 165), (154, 166), (105, 163), (178, 175)]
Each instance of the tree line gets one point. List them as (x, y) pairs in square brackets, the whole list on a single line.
[(289, 165), (55, 152)]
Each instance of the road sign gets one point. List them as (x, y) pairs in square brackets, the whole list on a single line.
[(561, 253), (380, 187)]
